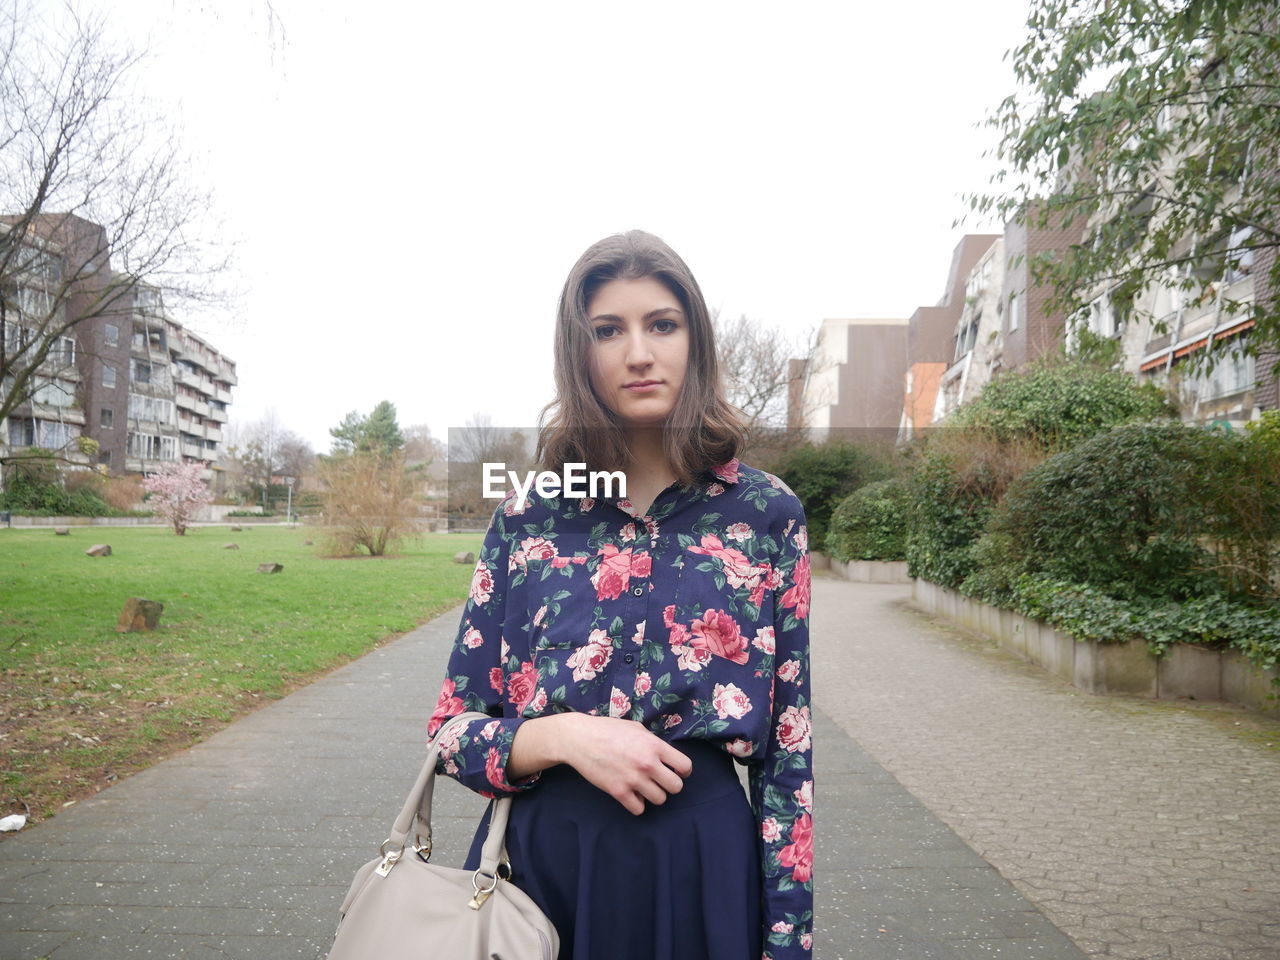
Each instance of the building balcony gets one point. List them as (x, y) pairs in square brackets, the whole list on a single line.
[(43, 411), (213, 433), (192, 450), (220, 394), (187, 402), (217, 414), (190, 426), (201, 408)]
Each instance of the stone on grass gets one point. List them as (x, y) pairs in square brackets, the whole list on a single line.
[(62, 531), (231, 546), (236, 529), (14, 821), (139, 614), (306, 543), (466, 556), (270, 567), (99, 550)]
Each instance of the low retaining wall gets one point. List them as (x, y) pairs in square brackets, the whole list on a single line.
[(864, 571), (1129, 668)]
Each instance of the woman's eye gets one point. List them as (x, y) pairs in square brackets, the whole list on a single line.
[(600, 331), (671, 322)]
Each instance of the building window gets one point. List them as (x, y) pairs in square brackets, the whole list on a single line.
[(105, 417), (104, 457), (147, 446), (141, 371), (22, 432), (112, 335), (108, 376), (150, 408), (1015, 306), (54, 393)]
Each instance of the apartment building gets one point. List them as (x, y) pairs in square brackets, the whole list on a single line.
[(854, 381), (931, 339), (126, 376)]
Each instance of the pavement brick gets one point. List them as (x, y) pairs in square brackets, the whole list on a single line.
[(1106, 812)]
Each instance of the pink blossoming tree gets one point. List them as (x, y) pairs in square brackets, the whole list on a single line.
[(177, 492)]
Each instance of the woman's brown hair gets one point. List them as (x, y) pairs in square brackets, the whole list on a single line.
[(703, 430)]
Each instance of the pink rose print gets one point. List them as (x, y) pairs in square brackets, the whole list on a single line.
[(539, 702), (588, 503), (449, 741), (481, 584), (537, 617), (495, 678), (729, 701), (638, 639), (793, 729), (801, 539), (782, 927), (719, 633), (804, 796), (798, 854), (619, 703), (521, 686), (789, 671), (740, 747), (505, 648), (691, 658), (739, 531), (616, 570), (592, 657), (642, 684), (727, 471), (490, 729), (516, 561), (673, 720), (473, 638), (798, 595), (446, 706), (538, 548), (628, 532), (715, 489), (678, 636), (493, 768), (770, 830), (669, 615), (739, 571), (764, 640), (806, 941)]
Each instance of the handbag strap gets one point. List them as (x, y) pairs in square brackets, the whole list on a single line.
[(418, 805)]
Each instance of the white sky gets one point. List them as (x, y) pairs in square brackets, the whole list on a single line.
[(412, 182)]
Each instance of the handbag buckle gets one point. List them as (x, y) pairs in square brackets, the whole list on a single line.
[(389, 860), (423, 848), (481, 893)]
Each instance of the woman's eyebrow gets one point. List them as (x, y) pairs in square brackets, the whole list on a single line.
[(648, 316)]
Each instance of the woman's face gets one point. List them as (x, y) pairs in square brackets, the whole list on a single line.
[(640, 351)]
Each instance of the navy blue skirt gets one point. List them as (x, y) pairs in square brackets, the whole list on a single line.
[(679, 882)]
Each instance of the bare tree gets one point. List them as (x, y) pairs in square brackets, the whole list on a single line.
[(97, 209), (764, 376), (368, 502)]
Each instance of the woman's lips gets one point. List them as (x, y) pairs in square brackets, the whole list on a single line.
[(643, 387)]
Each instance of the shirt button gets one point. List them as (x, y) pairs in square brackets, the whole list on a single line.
[(638, 591), (628, 658)]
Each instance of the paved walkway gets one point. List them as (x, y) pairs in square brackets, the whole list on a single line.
[(243, 846)]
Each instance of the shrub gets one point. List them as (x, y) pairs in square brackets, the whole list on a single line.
[(823, 475), (871, 523), (367, 502), (1057, 402), (1121, 511)]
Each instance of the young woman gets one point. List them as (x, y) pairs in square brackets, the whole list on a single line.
[(630, 648)]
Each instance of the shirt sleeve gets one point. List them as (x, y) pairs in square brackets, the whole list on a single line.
[(476, 753), (782, 786)]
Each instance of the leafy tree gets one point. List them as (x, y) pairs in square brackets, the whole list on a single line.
[(377, 433), (1171, 161), (177, 492)]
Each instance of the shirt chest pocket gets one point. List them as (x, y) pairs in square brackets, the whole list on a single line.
[(725, 605)]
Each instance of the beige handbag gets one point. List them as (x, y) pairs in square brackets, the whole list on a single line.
[(400, 907)]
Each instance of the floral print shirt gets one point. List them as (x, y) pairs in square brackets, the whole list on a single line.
[(692, 619)]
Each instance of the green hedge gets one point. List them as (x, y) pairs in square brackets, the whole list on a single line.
[(823, 475), (871, 523)]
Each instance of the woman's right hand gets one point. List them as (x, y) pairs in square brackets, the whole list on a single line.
[(620, 757)]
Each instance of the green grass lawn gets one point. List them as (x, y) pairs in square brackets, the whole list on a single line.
[(84, 705)]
